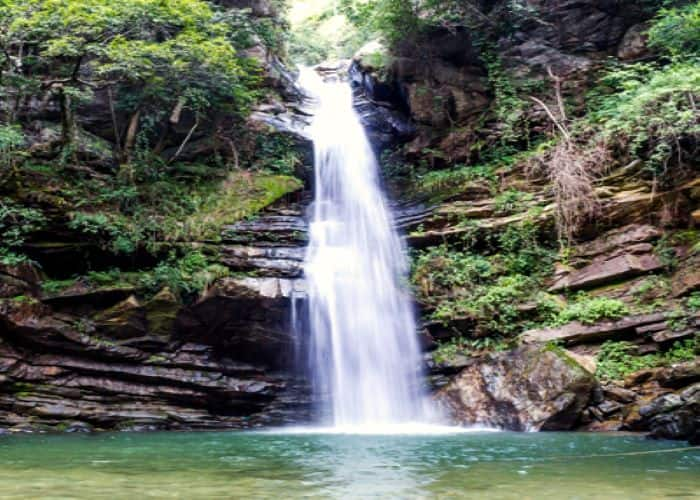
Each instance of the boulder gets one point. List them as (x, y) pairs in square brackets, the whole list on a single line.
[(618, 238), (161, 312), (675, 376), (675, 416), (634, 43), (19, 279), (124, 320), (608, 270), (576, 332), (529, 388), (687, 279), (619, 394)]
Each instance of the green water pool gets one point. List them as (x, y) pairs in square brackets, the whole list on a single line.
[(309, 465)]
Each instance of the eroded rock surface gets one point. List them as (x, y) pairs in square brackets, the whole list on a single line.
[(117, 357)]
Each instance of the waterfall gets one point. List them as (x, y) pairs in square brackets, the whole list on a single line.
[(364, 356)]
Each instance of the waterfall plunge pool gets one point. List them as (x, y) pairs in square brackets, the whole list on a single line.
[(314, 465)]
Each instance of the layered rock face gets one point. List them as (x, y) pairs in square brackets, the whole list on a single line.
[(442, 82), (113, 358), (637, 250)]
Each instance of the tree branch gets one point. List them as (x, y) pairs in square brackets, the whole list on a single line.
[(187, 139)]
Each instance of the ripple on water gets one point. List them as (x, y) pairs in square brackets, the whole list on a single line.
[(312, 463)]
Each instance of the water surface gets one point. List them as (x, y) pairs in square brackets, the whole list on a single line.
[(269, 465)]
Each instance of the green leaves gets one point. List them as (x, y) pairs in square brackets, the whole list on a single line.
[(165, 49), (677, 31), (651, 112), (616, 360), (16, 223), (590, 310)]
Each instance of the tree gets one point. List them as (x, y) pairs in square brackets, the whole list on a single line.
[(166, 55)]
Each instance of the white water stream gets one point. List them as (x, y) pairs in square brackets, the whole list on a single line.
[(364, 359)]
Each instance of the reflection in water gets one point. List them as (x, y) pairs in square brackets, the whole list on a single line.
[(266, 465)]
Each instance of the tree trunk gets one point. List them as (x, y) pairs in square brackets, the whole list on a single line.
[(171, 123), (115, 123), (69, 128), (131, 136)]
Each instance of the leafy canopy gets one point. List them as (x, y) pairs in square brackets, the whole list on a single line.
[(169, 50)]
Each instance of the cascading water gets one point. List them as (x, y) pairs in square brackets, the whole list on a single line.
[(364, 355)]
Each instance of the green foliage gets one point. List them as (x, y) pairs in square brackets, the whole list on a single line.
[(616, 360), (651, 293), (439, 269), (589, 310), (522, 253), (491, 288), (509, 108), (16, 224), (168, 50), (113, 229), (147, 208), (511, 201), (320, 32), (393, 20), (666, 252), (443, 182), (276, 154), (449, 350), (497, 305), (683, 350), (651, 112), (677, 31), (11, 141), (693, 302), (184, 275)]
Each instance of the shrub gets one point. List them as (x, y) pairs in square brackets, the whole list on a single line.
[(16, 223), (440, 269), (677, 31), (184, 275), (589, 310), (511, 201), (616, 360), (449, 350)]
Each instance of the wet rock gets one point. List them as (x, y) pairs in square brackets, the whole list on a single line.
[(674, 376), (634, 43), (674, 416), (124, 320), (609, 407), (282, 227), (687, 279), (617, 239), (530, 388), (665, 336), (161, 312), (619, 394), (246, 316), (576, 332), (81, 296), (19, 279), (263, 260), (608, 270), (78, 427)]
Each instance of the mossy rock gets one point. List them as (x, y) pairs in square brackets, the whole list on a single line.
[(161, 312), (126, 319)]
